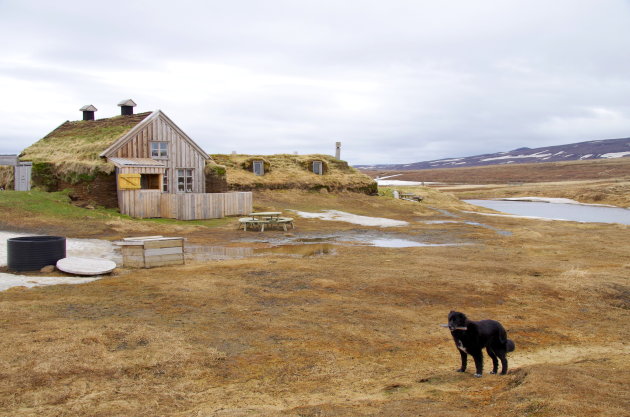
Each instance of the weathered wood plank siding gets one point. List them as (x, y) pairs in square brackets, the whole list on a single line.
[(189, 206), (140, 203), (181, 154), (152, 253), (237, 203)]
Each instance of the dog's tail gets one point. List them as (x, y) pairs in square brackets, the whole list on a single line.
[(509, 345)]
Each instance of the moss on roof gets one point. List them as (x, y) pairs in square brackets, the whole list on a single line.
[(293, 171), (75, 146)]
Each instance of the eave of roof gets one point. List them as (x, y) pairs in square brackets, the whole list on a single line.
[(135, 162), (156, 114)]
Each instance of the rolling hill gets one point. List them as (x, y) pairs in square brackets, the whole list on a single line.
[(596, 149)]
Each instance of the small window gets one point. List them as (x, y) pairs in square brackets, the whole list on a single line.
[(259, 167), (159, 149), (165, 181), (150, 181), (317, 167), (185, 180)]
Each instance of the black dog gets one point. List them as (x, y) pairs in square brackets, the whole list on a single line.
[(472, 336)]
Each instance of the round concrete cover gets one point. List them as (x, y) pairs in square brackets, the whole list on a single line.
[(86, 266)]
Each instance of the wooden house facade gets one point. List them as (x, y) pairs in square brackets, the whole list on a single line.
[(159, 171), (155, 157)]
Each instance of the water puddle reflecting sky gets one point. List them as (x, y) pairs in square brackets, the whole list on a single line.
[(558, 211), (404, 243), (309, 245)]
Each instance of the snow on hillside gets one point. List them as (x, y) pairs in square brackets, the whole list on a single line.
[(597, 149)]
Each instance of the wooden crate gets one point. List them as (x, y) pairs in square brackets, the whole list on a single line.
[(152, 251)]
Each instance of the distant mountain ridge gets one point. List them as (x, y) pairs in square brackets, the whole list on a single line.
[(595, 149)]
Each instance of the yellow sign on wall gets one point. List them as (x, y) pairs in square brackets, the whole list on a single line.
[(129, 181)]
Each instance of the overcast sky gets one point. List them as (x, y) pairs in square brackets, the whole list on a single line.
[(395, 81)]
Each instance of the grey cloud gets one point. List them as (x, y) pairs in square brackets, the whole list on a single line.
[(397, 82)]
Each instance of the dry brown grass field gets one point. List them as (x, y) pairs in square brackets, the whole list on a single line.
[(354, 332), (602, 181), (540, 172)]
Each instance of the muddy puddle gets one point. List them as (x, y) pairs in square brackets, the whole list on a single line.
[(307, 246), (470, 223), (214, 253)]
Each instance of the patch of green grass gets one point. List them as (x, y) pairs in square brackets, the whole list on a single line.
[(57, 205), (205, 223), (44, 204)]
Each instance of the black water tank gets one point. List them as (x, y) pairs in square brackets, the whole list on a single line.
[(32, 253)]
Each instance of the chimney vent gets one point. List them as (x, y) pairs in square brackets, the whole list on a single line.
[(126, 107), (88, 112)]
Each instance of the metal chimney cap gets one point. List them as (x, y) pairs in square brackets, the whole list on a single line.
[(127, 103), (88, 107)]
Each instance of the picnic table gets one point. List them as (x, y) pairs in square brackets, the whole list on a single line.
[(265, 218), (266, 215)]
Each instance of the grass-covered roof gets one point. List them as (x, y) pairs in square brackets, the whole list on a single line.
[(75, 146), (284, 171)]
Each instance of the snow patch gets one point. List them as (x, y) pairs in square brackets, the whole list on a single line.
[(83, 248), (9, 280), (402, 183), (614, 155), (398, 182), (90, 248), (341, 216), (377, 179), (534, 155)]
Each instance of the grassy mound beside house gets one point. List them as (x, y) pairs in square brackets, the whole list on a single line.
[(285, 171)]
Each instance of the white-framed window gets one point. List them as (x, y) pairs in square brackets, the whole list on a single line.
[(159, 149), (259, 167), (165, 181), (317, 167), (185, 180)]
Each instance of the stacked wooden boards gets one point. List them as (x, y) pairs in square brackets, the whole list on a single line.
[(152, 251)]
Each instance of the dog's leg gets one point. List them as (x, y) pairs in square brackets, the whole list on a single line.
[(464, 356), (504, 362), (478, 356), (495, 362)]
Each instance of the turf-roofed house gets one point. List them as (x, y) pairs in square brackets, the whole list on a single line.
[(143, 163)]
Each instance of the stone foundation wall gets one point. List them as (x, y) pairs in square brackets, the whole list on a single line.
[(101, 191), (216, 183)]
